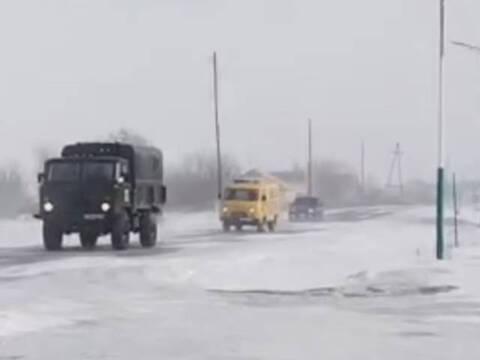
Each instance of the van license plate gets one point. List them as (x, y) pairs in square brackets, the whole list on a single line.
[(94, 216)]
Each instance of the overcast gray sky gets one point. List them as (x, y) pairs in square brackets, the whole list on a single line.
[(76, 70)]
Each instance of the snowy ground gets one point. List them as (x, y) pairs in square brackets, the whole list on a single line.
[(362, 285)]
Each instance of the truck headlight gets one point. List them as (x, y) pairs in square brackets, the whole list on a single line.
[(251, 210), (105, 206), (225, 209), (311, 211), (48, 206)]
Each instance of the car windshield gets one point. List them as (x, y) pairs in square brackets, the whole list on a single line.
[(306, 201), (241, 194), (99, 170), (64, 171)]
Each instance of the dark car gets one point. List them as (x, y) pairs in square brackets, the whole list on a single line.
[(95, 189), (306, 208)]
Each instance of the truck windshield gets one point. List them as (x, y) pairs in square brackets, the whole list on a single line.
[(241, 194), (86, 171), (63, 171), (98, 171)]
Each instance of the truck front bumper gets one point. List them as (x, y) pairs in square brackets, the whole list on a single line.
[(100, 223)]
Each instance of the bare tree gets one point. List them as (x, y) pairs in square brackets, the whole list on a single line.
[(14, 194), (334, 182), (193, 184)]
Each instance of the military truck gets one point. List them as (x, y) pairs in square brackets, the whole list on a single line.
[(97, 189)]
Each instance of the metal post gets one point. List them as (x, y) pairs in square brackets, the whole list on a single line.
[(217, 130), (400, 171), (455, 210), (310, 170), (441, 140), (362, 167)]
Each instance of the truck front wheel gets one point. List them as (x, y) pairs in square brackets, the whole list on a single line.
[(52, 236), (120, 232), (261, 226), (272, 224), (148, 230)]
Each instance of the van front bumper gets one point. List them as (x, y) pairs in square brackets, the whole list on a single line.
[(240, 218)]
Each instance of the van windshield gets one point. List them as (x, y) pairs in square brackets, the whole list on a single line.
[(241, 194)]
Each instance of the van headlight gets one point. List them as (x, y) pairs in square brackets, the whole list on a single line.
[(48, 206), (105, 206)]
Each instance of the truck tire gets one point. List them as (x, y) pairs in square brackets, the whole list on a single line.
[(88, 240), (148, 230), (226, 226), (120, 232), (272, 224), (261, 226), (52, 236), (321, 216), (238, 227)]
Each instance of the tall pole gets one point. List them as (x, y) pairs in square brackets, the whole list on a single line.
[(441, 139), (400, 171), (362, 167), (310, 170), (455, 209), (217, 129)]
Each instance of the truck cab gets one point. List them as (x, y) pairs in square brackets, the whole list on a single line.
[(251, 203), (96, 189)]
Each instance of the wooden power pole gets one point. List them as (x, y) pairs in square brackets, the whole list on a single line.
[(217, 129), (310, 165), (362, 168)]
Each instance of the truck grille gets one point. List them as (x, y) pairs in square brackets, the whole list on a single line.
[(239, 214)]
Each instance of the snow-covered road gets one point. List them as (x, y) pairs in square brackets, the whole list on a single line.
[(362, 285)]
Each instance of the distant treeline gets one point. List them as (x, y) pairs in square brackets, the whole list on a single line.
[(14, 196)]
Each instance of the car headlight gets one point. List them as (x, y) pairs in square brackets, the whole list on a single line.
[(48, 206), (105, 206)]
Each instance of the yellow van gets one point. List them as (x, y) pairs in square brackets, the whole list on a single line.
[(251, 203)]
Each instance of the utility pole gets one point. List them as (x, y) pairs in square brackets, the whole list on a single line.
[(217, 129), (362, 168), (396, 165), (310, 165), (441, 140), (455, 210)]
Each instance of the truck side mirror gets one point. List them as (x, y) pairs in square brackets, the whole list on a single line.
[(40, 177)]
